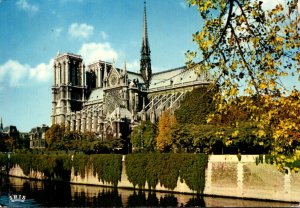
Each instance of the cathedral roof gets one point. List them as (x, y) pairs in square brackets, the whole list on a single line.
[(39, 129), (175, 76), (133, 75), (96, 94), (120, 113), (10, 129)]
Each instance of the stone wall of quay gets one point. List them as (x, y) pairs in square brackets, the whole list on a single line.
[(225, 176)]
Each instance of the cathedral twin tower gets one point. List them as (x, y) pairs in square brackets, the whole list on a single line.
[(83, 99)]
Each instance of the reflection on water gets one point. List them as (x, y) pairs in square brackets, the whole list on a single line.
[(48, 194)]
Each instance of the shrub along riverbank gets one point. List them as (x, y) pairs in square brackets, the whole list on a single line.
[(166, 169), (58, 166), (152, 168)]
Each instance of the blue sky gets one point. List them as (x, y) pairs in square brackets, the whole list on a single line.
[(33, 31)]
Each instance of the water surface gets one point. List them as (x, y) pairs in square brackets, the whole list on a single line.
[(51, 194)]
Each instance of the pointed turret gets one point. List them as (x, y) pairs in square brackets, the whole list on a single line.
[(105, 76), (125, 75), (105, 71), (113, 63), (125, 68), (1, 125), (145, 64)]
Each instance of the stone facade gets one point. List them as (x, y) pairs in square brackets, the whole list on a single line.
[(110, 101)]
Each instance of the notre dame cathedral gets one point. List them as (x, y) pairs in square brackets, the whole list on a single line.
[(110, 101)]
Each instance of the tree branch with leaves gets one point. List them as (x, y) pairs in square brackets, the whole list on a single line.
[(252, 53)]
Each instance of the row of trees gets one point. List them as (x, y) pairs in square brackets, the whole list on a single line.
[(9, 143), (60, 138), (187, 129)]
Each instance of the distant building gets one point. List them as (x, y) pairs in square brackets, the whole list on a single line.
[(9, 137), (11, 131), (20, 139), (37, 137)]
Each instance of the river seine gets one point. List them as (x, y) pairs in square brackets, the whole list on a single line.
[(17, 192)]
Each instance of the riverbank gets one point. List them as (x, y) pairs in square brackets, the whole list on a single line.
[(53, 194), (225, 175)]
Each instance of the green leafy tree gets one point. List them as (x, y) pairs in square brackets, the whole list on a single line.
[(115, 144), (143, 137), (196, 106), (194, 134), (54, 135), (166, 169), (7, 143), (60, 138), (250, 50), (205, 138), (23, 142), (10, 143)]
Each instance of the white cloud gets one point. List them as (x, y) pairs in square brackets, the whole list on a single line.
[(103, 35), (42, 72), (27, 7), (83, 30), (15, 74), (92, 52)]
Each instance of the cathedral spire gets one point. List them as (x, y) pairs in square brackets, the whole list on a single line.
[(145, 64), (145, 30)]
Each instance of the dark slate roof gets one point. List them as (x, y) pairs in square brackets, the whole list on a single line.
[(172, 76)]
